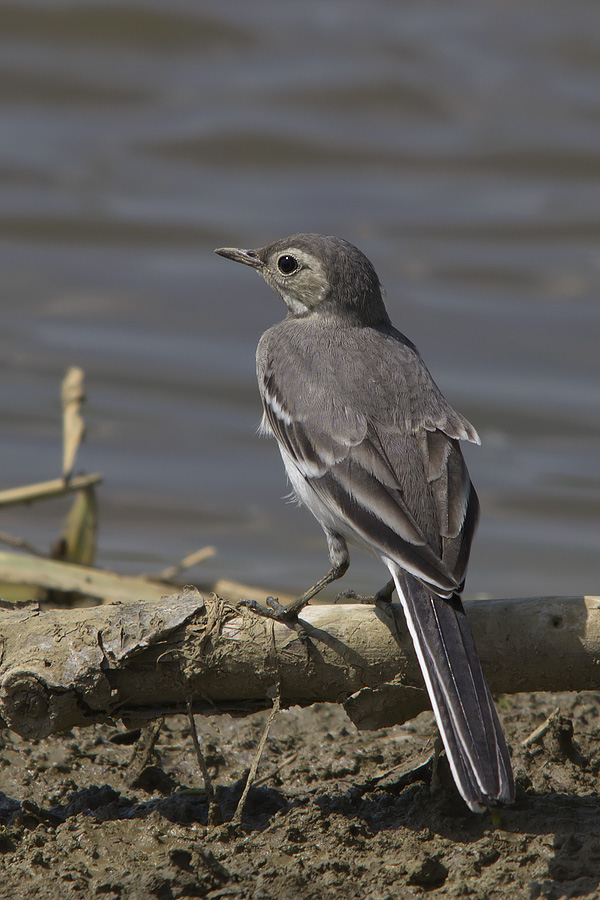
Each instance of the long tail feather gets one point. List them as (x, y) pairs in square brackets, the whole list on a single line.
[(461, 700)]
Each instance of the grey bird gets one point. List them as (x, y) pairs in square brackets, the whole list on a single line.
[(371, 447)]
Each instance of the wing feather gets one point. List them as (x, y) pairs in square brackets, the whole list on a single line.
[(406, 495)]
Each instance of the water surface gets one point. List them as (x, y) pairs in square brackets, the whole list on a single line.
[(457, 145)]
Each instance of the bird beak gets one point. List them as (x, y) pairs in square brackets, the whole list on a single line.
[(248, 257)]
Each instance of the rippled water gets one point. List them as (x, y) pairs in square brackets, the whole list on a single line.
[(456, 144)]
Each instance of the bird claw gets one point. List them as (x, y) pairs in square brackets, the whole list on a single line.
[(276, 608), (273, 610), (382, 598), (256, 607), (384, 595), (352, 595)]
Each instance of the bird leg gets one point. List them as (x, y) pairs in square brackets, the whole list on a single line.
[(285, 613), (340, 560)]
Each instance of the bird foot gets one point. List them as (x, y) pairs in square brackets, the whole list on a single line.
[(274, 609), (382, 597), (352, 595)]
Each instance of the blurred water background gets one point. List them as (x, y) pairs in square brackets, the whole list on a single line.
[(456, 144)]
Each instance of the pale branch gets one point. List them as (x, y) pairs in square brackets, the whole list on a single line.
[(72, 396), (19, 568), (192, 559), (18, 543), (46, 490), (60, 668), (34, 569)]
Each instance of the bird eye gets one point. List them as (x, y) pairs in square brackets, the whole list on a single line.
[(287, 264)]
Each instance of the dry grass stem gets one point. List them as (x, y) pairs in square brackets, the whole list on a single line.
[(19, 544), (542, 729), (215, 815), (16, 568), (192, 559), (239, 811), (46, 490), (72, 396)]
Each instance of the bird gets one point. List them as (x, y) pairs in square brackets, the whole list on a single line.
[(372, 448)]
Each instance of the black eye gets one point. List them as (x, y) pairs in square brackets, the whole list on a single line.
[(287, 264)]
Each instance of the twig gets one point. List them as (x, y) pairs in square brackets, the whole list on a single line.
[(284, 762), (215, 815), (143, 752), (542, 729), (16, 568), (192, 559), (399, 776), (19, 544), (45, 490), (72, 396), (77, 541), (409, 773), (239, 810)]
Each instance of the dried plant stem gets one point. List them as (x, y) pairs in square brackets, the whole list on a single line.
[(143, 752), (284, 762), (239, 811), (72, 396), (215, 815), (15, 568), (45, 490), (18, 543), (542, 729), (192, 559)]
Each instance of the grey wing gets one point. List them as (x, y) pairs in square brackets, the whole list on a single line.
[(405, 493)]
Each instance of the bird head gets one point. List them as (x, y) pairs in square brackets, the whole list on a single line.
[(318, 274)]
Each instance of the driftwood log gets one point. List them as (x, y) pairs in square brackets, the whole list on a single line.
[(60, 668)]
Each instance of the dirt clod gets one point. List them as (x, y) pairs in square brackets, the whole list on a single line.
[(428, 872)]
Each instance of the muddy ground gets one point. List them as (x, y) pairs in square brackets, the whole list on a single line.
[(334, 813)]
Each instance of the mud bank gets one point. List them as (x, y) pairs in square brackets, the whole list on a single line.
[(334, 813)]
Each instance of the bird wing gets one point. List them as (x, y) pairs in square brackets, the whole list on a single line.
[(404, 491)]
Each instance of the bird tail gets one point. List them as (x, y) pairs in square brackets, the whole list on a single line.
[(461, 700)]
